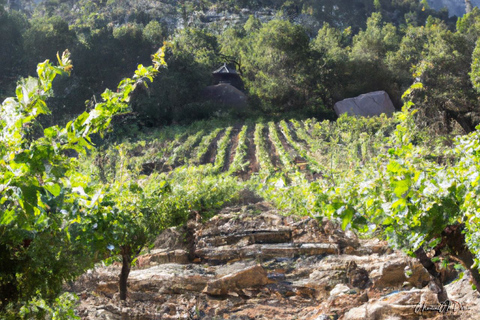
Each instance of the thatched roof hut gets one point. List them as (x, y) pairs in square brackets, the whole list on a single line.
[(227, 74)]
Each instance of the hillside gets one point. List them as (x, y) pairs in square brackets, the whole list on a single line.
[(277, 47), (455, 7), (291, 154), (148, 194), (236, 192), (250, 262)]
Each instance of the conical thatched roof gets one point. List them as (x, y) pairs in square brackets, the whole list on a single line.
[(225, 69)]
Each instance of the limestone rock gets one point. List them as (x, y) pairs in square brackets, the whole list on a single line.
[(392, 274), (366, 105), (170, 239), (159, 256), (416, 274), (358, 277), (250, 277), (339, 290), (398, 305), (250, 262)]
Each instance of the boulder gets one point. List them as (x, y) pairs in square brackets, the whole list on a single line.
[(339, 290), (397, 305), (392, 274), (366, 105), (250, 277)]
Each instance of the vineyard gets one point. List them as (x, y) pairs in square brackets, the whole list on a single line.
[(68, 204), (292, 163), (294, 148), (381, 176)]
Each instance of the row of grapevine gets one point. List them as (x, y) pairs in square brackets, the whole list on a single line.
[(264, 160), (303, 134), (288, 190), (222, 150), (191, 148), (240, 162), (338, 146), (180, 153), (156, 151), (287, 161), (202, 148), (346, 144), (312, 163)]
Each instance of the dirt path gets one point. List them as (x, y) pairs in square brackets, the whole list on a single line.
[(277, 164), (299, 161), (209, 156), (251, 157)]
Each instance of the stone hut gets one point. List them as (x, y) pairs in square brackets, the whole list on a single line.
[(227, 89)]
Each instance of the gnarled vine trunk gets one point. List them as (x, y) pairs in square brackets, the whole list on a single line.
[(454, 238), (432, 270), (126, 266)]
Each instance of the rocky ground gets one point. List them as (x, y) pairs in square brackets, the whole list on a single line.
[(249, 262)]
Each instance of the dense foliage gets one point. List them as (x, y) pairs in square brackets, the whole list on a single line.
[(46, 204), (66, 204), (300, 56), (58, 217)]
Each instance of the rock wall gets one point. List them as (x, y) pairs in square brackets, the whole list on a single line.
[(249, 262), (455, 7)]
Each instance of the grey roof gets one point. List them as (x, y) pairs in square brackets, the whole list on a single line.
[(225, 69)]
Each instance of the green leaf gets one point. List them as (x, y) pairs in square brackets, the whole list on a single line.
[(394, 167), (400, 188), (50, 132), (388, 220), (7, 216), (29, 199), (53, 188), (399, 205), (347, 216)]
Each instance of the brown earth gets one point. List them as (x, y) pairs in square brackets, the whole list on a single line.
[(272, 152), (299, 161), (295, 137), (209, 156), (211, 153), (251, 156)]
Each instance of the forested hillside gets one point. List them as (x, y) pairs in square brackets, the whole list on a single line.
[(302, 56), (95, 162)]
